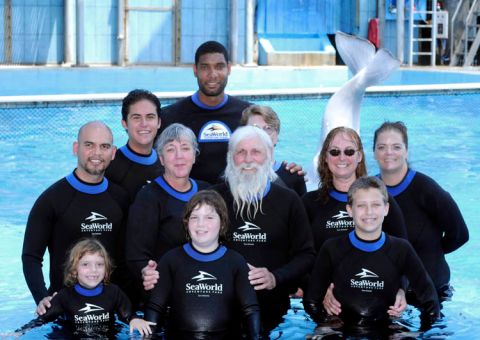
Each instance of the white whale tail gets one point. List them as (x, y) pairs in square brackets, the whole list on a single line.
[(369, 67), (359, 54)]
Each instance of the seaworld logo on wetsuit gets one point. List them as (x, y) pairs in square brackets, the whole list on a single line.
[(91, 318), (95, 227), (249, 233), (365, 284), (203, 289), (342, 222), (214, 131)]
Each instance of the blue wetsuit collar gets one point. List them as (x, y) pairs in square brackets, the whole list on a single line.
[(92, 189), (137, 158), (89, 292), (339, 196), (267, 188), (276, 166), (364, 245), (204, 257), (196, 100), (403, 185), (182, 196)]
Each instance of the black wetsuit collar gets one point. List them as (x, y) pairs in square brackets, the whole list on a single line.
[(87, 188), (89, 292), (138, 158), (204, 257), (196, 100), (182, 196), (403, 185), (367, 246)]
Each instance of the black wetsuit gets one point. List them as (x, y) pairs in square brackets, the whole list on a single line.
[(213, 127), (331, 219), (435, 225), (87, 311), (291, 181), (205, 292), (155, 222), (132, 171), (278, 238), (367, 276), (64, 213)]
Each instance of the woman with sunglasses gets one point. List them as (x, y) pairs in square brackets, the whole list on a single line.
[(434, 222), (341, 162)]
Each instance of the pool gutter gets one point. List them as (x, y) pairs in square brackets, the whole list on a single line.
[(257, 94)]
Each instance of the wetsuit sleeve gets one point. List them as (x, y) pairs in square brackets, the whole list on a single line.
[(446, 214), (52, 314), (40, 223), (322, 275), (248, 301), (123, 306), (142, 231), (394, 223), (421, 284), (157, 303), (301, 251)]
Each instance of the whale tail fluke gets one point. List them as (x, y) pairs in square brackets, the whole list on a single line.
[(380, 68), (356, 52), (369, 67)]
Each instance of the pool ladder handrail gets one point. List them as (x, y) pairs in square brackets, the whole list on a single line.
[(432, 38)]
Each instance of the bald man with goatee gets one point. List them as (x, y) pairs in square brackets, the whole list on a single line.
[(81, 204)]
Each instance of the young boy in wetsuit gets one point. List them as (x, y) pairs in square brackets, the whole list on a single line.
[(367, 265)]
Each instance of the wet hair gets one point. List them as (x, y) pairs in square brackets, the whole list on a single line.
[(137, 95), (325, 175), (176, 132), (212, 199), (365, 183), (391, 126), (211, 47), (266, 112), (79, 250)]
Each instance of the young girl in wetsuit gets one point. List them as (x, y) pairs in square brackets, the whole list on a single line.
[(89, 301), (205, 284)]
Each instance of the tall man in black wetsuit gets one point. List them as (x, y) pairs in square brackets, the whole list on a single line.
[(82, 204), (210, 112)]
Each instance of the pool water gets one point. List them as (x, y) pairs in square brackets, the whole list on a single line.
[(444, 132)]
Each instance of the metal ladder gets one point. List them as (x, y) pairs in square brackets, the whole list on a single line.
[(413, 36), (465, 37)]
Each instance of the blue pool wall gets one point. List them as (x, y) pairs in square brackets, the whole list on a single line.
[(37, 30)]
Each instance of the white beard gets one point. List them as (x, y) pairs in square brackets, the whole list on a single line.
[(248, 188)]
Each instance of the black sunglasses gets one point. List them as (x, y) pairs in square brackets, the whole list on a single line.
[(346, 152)]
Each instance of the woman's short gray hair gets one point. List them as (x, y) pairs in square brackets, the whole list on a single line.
[(176, 132)]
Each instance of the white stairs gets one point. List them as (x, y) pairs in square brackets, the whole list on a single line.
[(465, 38)]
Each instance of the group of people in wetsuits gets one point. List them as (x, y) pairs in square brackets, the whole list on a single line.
[(198, 261)]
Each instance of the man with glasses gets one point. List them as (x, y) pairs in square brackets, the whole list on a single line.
[(265, 118)]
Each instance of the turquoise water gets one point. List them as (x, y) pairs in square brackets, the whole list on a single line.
[(71, 80), (444, 130)]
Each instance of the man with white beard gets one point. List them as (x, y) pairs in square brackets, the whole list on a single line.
[(268, 223)]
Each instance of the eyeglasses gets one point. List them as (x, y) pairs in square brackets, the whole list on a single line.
[(267, 128), (346, 152)]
